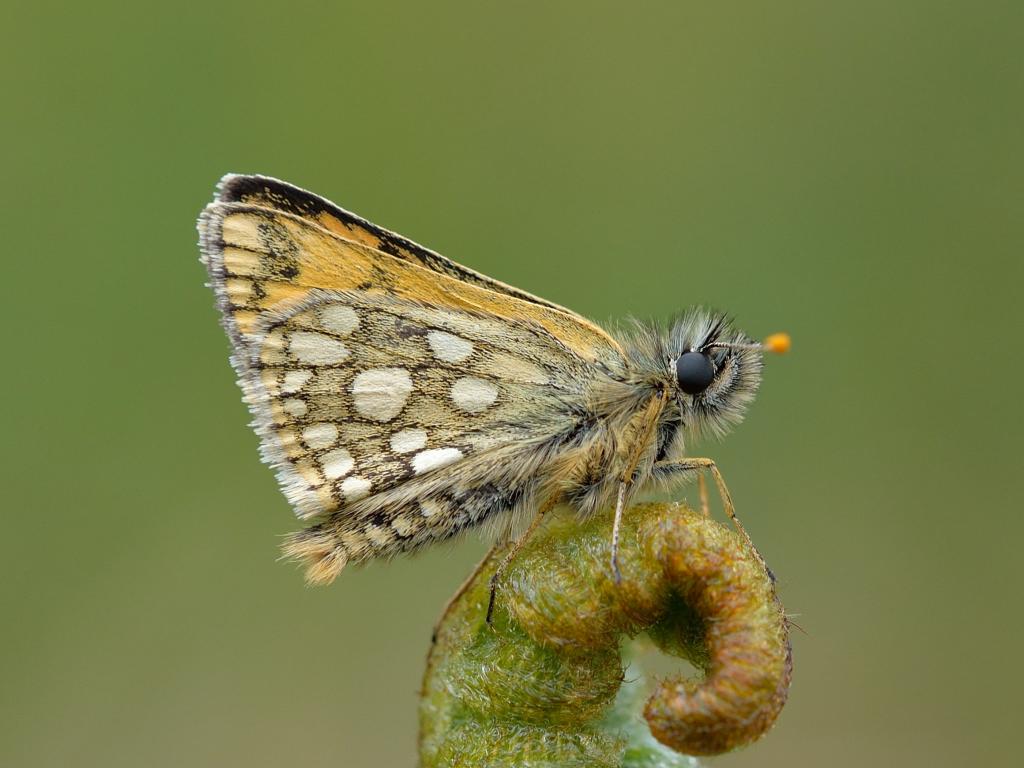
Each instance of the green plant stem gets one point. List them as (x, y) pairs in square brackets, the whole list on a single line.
[(543, 685)]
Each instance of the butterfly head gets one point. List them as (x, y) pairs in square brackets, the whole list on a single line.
[(717, 370)]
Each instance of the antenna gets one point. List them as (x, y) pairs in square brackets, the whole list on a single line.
[(779, 343)]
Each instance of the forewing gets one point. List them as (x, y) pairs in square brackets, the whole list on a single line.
[(266, 192)]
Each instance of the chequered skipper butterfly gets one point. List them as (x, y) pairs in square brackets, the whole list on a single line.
[(402, 398)]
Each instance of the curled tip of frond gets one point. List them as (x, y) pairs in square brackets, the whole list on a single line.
[(542, 681)]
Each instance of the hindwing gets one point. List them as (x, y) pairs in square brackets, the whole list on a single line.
[(355, 394)]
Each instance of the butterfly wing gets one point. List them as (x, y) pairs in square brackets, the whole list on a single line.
[(262, 259), (266, 192), (366, 372), (359, 393)]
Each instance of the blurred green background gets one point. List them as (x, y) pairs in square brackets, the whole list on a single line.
[(848, 171)]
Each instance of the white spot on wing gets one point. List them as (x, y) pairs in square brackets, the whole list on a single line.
[(474, 395), (355, 488), (354, 541), (380, 393), (449, 348), (337, 463), (295, 380), (320, 436), (295, 407), (408, 440), (378, 535), (404, 526), (430, 508), (424, 461), (339, 319), (316, 349)]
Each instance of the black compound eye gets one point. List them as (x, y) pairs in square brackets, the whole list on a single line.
[(695, 372)]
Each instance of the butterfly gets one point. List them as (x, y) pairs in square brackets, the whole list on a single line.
[(403, 399)]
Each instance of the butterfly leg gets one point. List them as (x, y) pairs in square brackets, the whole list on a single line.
[(685, 466), (463, 587), (510, 556), (620, 503), (648, 422)]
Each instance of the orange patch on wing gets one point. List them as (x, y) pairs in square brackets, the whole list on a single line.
[(296, 257)]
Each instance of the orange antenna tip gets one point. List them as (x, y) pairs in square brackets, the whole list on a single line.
[(778, 343)]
